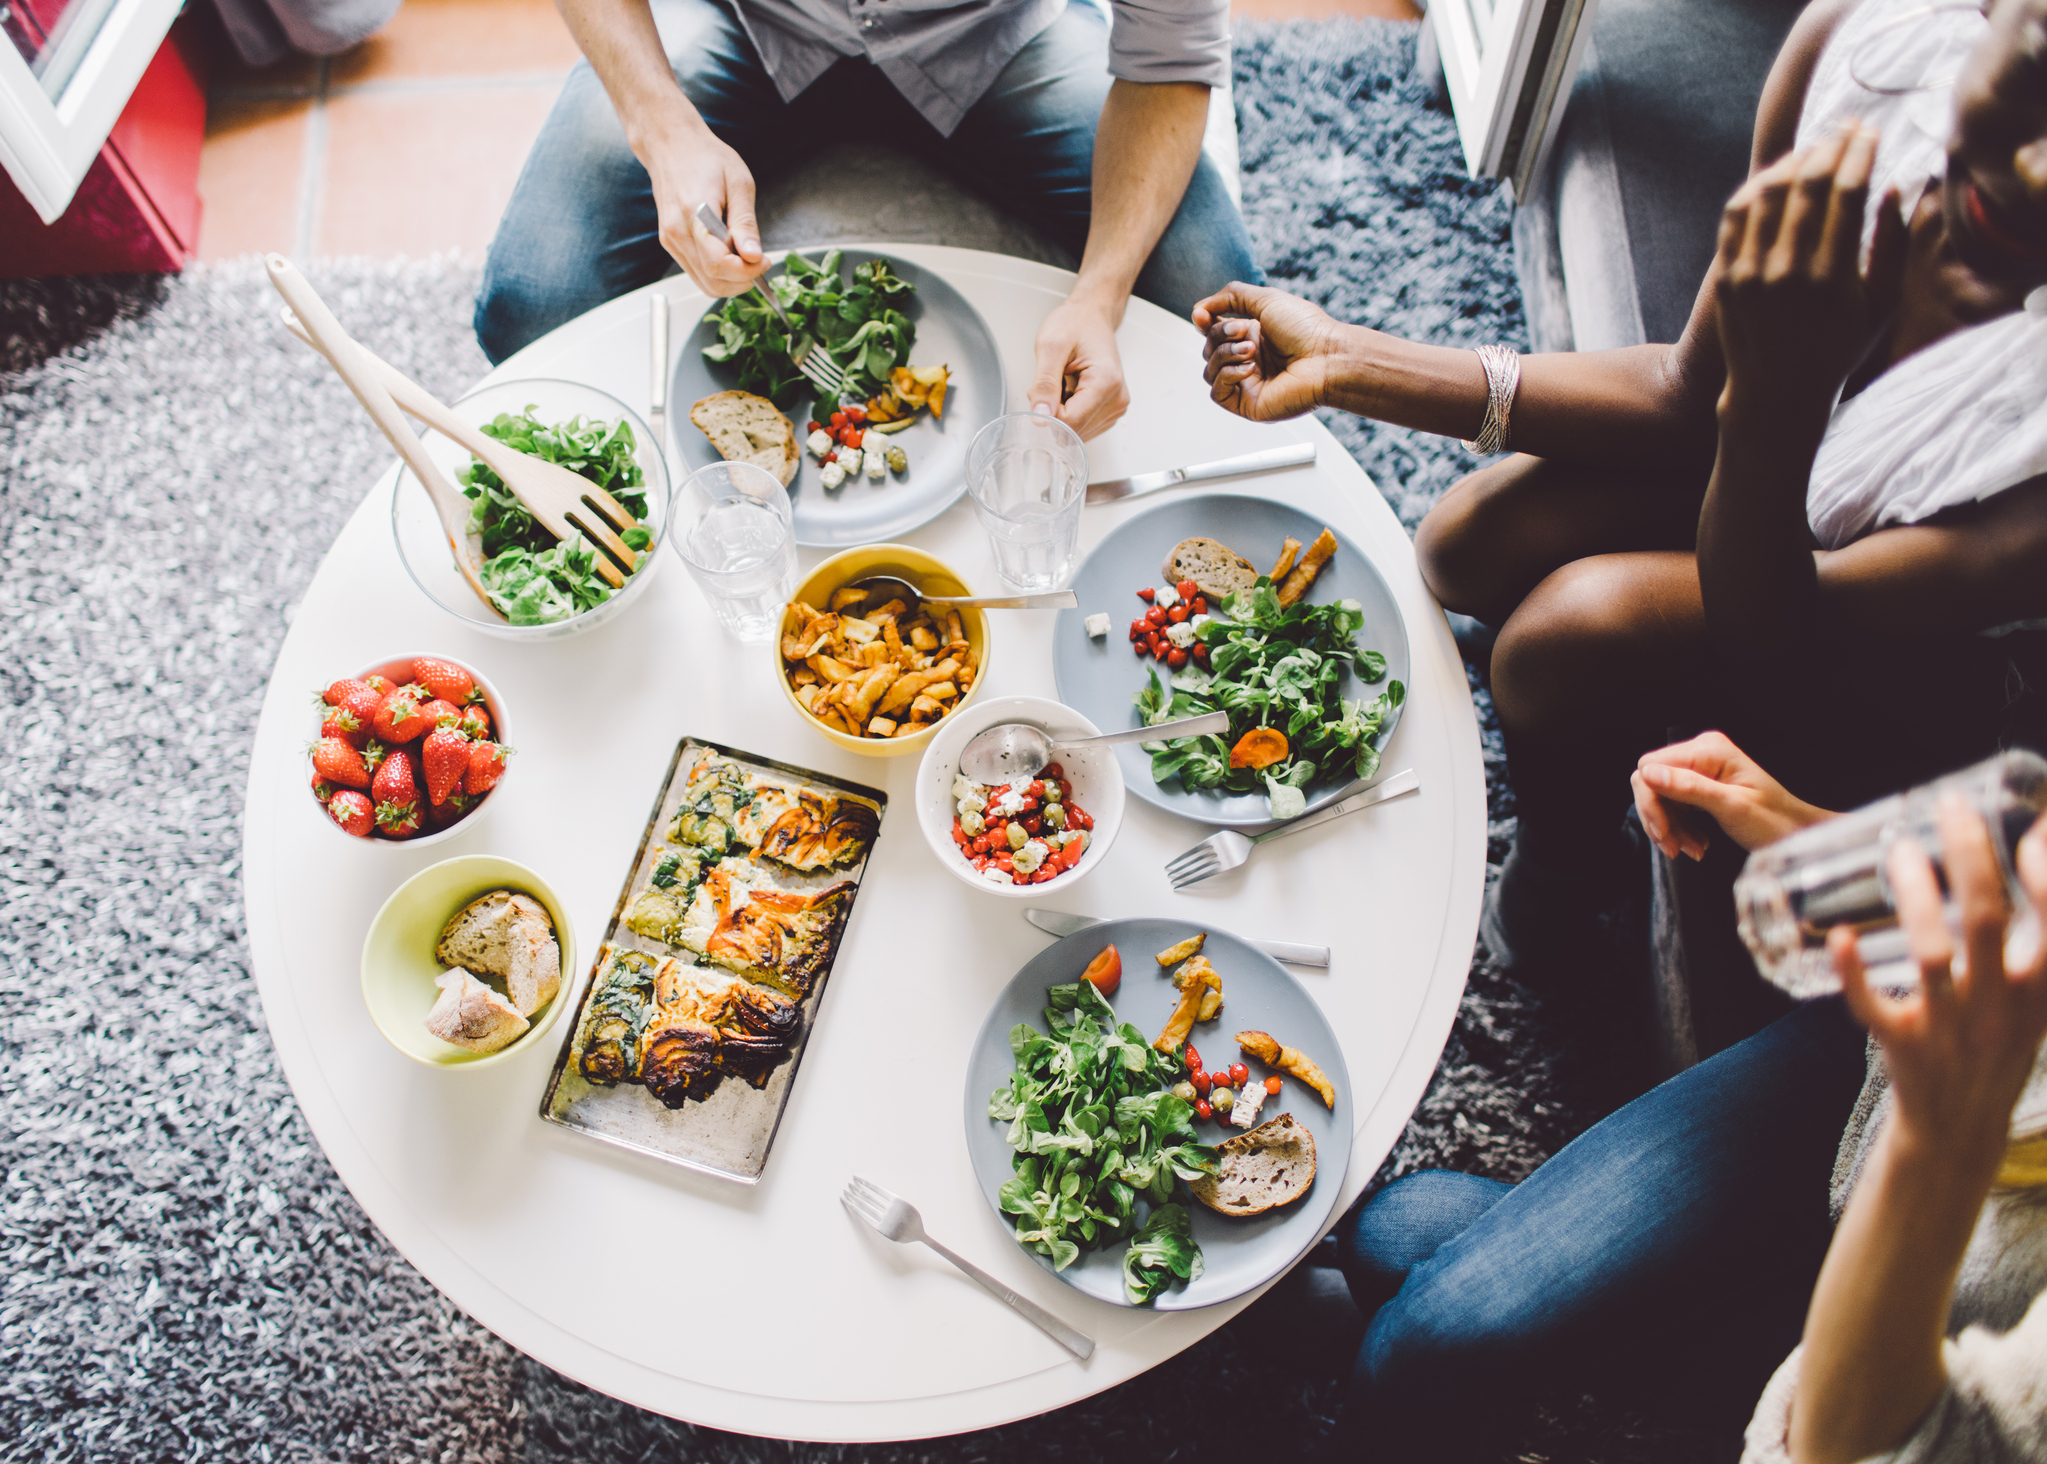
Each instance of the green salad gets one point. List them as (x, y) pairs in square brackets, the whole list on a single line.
[(533, 577), (1096, 1130), (1281, 667), (861, 324)]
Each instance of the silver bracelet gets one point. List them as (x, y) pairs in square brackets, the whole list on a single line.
[(1503, 378)]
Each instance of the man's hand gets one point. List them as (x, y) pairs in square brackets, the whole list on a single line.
[(689, 165), (1080, 373), (1269, 353), (1710, 774)]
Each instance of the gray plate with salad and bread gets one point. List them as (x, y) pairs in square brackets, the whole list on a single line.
[(1237, 1253), (933, 325), (1328, 672)]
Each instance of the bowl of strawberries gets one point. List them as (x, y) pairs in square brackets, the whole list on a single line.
[(408, 750)]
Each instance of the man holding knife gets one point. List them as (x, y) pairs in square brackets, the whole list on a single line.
[(1087, 124)]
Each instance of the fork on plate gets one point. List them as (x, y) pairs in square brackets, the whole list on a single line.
[(898, 1220), (1226, 848), (813, 360)]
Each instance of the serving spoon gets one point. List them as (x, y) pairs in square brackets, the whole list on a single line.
[(1011, 750), (881, 588)]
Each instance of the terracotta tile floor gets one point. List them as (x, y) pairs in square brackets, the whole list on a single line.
[(410, 143)]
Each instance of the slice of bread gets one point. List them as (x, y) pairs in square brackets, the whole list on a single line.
[(1218, 569), (748, 429), (507, 935), (471, 1015), (1270, 1166)]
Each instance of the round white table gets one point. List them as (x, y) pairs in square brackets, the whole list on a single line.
[(767, 1309)]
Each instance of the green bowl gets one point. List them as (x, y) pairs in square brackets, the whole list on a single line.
[(398, 965)]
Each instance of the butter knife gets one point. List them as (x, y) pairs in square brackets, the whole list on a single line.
[(1059, 923), (1294, 455), (657, 410)]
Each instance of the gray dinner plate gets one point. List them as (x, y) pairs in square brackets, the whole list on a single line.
[(1258, 993), (950, 332), (1098, 678)]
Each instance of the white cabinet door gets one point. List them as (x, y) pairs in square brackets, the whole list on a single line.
[(1509, 65), (66, 70)]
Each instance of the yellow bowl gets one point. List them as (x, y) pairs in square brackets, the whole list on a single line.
[(925, 571), (399, 969)]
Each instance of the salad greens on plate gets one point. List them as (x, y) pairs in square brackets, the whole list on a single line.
[(1278, 666), (534, 578), (1096, 1129), (860, 323)]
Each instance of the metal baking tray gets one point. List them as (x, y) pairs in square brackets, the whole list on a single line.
[(730, 1133)]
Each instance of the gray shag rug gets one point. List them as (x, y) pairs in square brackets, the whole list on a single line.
[(186, 1278)]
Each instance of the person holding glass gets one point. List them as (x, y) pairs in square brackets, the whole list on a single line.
[(1825, 504), (1681, 1247)]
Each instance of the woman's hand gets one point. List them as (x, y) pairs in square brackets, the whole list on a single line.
[(1796, 310), (1960, 1048), (1269, 353), (1710, 774)]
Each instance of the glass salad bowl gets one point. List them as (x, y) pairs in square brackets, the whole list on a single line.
[(423, 547)]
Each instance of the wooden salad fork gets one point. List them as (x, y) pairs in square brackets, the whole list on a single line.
[(564, 502), (349, 360)]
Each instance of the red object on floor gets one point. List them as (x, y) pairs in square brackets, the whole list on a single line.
[(138, 209)]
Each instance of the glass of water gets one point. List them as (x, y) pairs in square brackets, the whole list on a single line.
[(733, 527), (1027, 475), (1793, 892)]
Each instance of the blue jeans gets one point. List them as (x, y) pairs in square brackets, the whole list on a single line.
[(1670, 1250), (582, 227)]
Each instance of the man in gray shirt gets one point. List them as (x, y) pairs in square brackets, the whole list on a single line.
[(1087, 124)]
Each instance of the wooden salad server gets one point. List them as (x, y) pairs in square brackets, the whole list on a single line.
[(347, 359), (565, 503)]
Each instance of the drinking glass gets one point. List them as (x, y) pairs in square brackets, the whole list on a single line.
[(1027, 474), (1792, 892), (734, 529)]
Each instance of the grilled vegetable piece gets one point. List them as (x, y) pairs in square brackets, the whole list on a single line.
[(1191, 946), (1268, 1050), (725, 809), (821, 833), (1288, 553), (1303, 575), (781, 938), (1201, 998), (615, 1016)]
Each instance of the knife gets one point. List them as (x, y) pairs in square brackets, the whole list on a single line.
[(1111, 490), (1059, 923), (657, 412)]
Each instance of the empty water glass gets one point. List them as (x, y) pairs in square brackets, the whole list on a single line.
[(1027, 475), (734, 529)]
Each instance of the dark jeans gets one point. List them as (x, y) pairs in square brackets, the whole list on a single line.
[(582, 226), (1670, 1250)]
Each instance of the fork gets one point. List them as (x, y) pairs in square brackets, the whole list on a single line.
[(898, 1220), (814, 361), (1226, 848)]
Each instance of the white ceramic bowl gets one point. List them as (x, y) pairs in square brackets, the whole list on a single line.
[(423, 548), (1097, 787), (385, 666)]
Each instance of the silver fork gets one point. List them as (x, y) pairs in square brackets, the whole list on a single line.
[(1226, 849), (899, 1221), (814, 361)]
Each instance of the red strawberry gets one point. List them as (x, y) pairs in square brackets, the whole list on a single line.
[(399, 716), (486, 766), (476, 722), (376, 683), (398, 820), (395, 783), (344, 724), (338, 762), (444, 713), (445, 758), (352, 811), (373, 754), (444, 679), (457, 807), (322, 789)]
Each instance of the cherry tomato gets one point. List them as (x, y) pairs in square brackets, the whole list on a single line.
[(809, 427), (1178, 614), (1176, 658), (1187, 589), (1053, 772), (1139, 626), (1037, 788), (1200, 604), (1087, 820), (1157, 643), (1146, 593), (1272, 1084), (1193, 1059), (1105, 971), (856, 414), (1238, 1072), (1155, 617), (1201, 652), (1202, 1083), (1034, 825), (1142, 648), (1203, 1110), (853, 436), (980, 843), (838, 419)]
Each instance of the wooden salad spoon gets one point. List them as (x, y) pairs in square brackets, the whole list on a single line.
[(347, 359), (563, 501)]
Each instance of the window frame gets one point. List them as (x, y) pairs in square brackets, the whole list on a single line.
[(1509, 75)]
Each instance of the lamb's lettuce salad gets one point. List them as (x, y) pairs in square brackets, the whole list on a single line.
[(1097, 1131), (860, 323), (1273, 665), (534, 578)]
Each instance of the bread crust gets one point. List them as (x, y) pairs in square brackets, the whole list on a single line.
[(1213, 566), (1272, 1165), (747, 428)]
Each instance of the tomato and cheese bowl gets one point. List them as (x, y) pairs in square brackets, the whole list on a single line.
[(1087, 789)]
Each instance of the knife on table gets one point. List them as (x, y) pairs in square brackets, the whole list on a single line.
[(657, 408), (1059, 923), (1111, 490)]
